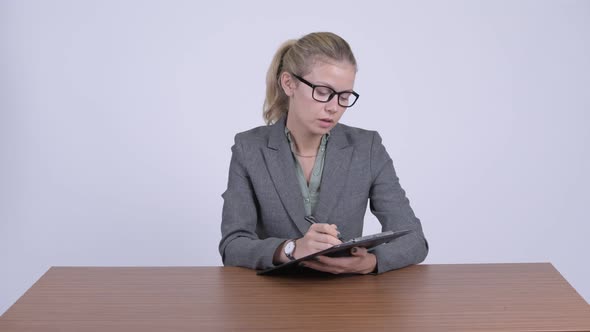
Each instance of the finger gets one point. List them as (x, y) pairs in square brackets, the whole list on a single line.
[(319, 246), (322, 267), (339, 262), (336, 264), (358, 251), (325, 238), (326, 229), (350, 264)]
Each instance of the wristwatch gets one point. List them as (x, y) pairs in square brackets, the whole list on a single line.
[(289, 249)]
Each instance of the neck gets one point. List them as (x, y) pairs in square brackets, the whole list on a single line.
[(306, 144)]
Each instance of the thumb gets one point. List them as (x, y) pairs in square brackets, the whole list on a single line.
[(358, 251)]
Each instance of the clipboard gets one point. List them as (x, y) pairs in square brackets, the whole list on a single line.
[(341, 250)]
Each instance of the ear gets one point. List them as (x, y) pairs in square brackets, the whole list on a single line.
[(287, 83)]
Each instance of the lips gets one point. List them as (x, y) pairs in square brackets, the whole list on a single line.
[(326, 122)]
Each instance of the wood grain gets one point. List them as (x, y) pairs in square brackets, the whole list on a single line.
[(482, 297)]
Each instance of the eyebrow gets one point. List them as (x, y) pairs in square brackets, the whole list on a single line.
[(331, 87)]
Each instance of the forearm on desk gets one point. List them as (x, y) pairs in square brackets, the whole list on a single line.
[(406, 250), (251, 253)]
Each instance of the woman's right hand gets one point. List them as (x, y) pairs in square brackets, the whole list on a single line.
[(318, 237)]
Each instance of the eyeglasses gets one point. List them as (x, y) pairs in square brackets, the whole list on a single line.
[(324, 94)]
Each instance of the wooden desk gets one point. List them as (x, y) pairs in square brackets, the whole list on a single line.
[(499, 297)]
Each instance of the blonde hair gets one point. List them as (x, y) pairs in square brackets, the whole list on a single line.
[(297, 56)]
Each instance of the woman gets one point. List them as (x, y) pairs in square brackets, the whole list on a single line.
[(304, 163)]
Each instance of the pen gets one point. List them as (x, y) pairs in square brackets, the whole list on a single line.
[(312, 220)]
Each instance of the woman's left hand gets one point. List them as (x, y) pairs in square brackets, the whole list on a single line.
[(360, 262)]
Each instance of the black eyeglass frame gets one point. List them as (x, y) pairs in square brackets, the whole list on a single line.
[(334, 93)]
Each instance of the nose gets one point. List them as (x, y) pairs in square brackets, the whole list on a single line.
[(332, 106)]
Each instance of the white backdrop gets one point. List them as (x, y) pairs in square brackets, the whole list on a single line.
[(117, 118)]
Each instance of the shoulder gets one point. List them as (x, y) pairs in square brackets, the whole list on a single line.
[(367, 143), (254, 136), (357, 136)]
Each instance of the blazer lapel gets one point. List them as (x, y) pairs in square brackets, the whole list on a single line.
[(336, 167), (280, 164)]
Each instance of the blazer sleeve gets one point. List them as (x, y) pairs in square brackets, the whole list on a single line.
[(388, 202), (240, 245)]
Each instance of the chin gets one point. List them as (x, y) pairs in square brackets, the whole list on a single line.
[(322, 131)]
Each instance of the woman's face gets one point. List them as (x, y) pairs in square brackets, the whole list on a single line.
[(311, 117)]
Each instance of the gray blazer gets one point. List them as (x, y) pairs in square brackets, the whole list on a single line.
[(263, 204)]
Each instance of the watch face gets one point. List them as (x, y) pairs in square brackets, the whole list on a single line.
[(289, 248)]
